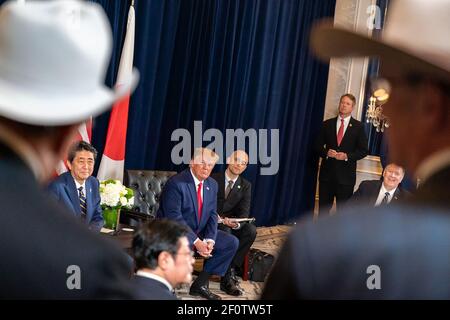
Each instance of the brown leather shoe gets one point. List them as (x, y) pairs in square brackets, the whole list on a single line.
[(203, 291)]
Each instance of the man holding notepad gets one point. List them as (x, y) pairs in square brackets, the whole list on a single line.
[(233, 204)]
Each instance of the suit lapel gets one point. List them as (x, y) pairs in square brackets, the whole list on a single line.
[(376, 193), (221, 183), (236, 188), (206, 196), (333, 134), (88, 200), (193, 192), (347, 132), (71, 190), (397, 194)]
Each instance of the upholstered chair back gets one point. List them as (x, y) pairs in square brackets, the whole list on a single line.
[(147, 186)]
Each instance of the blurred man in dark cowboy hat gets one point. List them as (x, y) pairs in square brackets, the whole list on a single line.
[(399, 251)]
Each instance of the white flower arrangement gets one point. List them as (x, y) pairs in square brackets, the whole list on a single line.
[(114, 195)]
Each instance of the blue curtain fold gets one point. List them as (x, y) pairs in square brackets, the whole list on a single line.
[(230, 64)]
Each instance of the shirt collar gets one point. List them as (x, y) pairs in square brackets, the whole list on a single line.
[(227, 179), (196, 181), (20, 146), (384, 190), (78, 185), (346, 119), (153, 276), (433, 164)]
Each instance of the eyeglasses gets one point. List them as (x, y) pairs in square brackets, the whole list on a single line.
[(240, 161)]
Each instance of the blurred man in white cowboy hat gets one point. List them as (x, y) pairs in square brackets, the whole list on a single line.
[(53, 60), (399, 251)]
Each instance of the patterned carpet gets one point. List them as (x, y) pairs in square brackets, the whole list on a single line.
[(268, 239)]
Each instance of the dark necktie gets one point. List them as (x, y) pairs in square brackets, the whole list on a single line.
[(199, 200), (385, 199), (340, 134), (228, 189), (82, 203)]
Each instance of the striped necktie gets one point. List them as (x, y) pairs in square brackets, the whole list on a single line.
[(229, 188), (82, 203), (385, 199)]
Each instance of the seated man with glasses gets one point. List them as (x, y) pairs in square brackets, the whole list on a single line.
[(233, 201), (163, 259)]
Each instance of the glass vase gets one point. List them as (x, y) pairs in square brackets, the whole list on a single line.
[(111, 217)]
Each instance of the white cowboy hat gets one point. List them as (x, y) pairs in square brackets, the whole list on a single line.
[(415, 40), (53, 61)]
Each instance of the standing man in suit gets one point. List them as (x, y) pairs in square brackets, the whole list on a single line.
[(44, 97), (233, 201), (398, 251), (163, 259), (341, 142), (381, 192), (78, 189), (190, 198)]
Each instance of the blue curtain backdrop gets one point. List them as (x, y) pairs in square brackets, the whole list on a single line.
[(230, 64)]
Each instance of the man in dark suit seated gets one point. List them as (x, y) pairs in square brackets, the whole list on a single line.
[(341, 142), (400, 251), (190, 198), (381, 192), (45, 96), (233, 201), (163, 259), (77, 188)]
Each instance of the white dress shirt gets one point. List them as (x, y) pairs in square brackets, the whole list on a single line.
[(197, 182), (80, 185), (227, 179), (383, 193), (338, 124)]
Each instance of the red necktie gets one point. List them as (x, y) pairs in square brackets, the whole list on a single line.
[(199, 201), (340, 134)]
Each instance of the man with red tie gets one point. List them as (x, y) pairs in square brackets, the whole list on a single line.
[(341, 142), (190, 198)]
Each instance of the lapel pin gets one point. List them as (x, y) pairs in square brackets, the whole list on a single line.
[(350, 125), (207, 188), (239, 187)]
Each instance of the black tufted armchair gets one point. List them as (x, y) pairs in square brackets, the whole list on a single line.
[(147, 186)]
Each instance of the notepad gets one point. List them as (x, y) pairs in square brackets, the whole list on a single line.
[(238, 220)]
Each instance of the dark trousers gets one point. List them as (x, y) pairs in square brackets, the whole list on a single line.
[(329, 190), (246, 236)]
